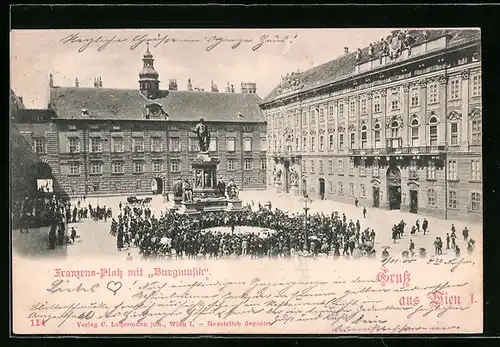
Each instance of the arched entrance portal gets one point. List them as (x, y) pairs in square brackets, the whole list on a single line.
[(42, 178), (157, 185), (394, 187), (322, 188)]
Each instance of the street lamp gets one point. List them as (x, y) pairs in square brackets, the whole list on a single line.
[(307, 202)]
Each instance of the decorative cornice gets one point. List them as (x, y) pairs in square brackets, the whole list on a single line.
[(422, 83), (465, 74), (443, 79), (369, 95), (383, 92), (351, 127), (406, 87), (340, 128), (321, 131), (454, 115), (475, 113)]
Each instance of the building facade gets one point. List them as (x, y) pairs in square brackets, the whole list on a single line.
[(104, 141), (396, 125)]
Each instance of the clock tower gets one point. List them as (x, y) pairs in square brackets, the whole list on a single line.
[(149, 84)]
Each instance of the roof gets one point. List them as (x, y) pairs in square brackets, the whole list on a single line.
[(15, 103), (130, 104), (345, 65)]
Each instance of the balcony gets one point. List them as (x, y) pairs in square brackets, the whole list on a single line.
[(420, 150)]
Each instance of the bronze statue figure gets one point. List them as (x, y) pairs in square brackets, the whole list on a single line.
[(203, 135)]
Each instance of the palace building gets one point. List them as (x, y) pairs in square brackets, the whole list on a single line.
[(396, 125), (108, 141)]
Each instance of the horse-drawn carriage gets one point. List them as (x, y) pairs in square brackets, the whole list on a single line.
[(132, 200)]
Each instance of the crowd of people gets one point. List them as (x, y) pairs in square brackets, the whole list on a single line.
[(280, 234)]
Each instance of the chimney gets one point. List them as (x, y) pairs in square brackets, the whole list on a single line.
[(77, 84), (189, 86), (228, 88), (248, 87), (215, 89), (51, 80), (172, 84), (346, 50), (100, 82), (232, 88), (96, 84)]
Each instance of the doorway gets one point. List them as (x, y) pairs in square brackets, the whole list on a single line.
[(376, 196), (322, 188), (157, 185), (413, 201), (394, 187)]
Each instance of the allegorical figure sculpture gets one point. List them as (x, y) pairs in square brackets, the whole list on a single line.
[(294, 177), (232, 190), (187, 191), (203, 135), (177, 188)]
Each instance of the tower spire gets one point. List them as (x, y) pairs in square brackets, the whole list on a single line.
[(148, 77)]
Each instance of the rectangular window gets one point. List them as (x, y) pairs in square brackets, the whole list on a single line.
[(138, 144), (352, 141), (95, 186), (475, 202), (117, 167), (95, 168), (95, 144), (375, 169), (313, 166), (340, 169), (263, 164), (395, 101), (475, 170), (247, 129), (321, 115), (194, 144), (433, 134), (247, 144), (415, 96), (414, 136), (321, 166), (352, 109), (341, 110), (231, 144), (321, 143), (364, 139), (248, 164), (304, 166), (138, 167), (351, 189), (476, 132), (330, 166), (432, 90), (341, 187), (157, 166), (376, 103), (263, 144), (431, 197), (304, 143), (175, 144), (431, 170), (304, 119), (117, 144), (138, 185), (247, 181), (362, 189), (39, 144), (454, 134), (412, 170), (74, 145), (74, 168), (331, 142), (362, 168), (175, 166), (330, 187), (452, 170), (212, 147), (455, 89), (330, 112), (351, 167), (476, 85), (452, 199), (231, 165), (312, 114), (313, 140), (156, 144), (341, 141), (297, 147), (376, 136), (363, 106)]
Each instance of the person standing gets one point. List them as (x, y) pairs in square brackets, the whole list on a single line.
[(447, 241), (364, 212), (417, 223), (425, 225), (356, 202), (457, 251), (73, 235), (466, 234), (412, 247)]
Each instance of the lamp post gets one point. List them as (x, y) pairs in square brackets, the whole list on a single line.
[(307, 202)]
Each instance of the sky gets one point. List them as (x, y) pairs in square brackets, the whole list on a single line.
[(202, 55)]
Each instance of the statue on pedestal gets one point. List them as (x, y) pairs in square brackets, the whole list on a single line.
[(221, 185), (232, 190), (187, 191), (203, 135), (177, 188), (198, 179), (294, 177)]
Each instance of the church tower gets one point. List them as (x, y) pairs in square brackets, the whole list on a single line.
[(149, 84)]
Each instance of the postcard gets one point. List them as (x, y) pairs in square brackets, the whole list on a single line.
[(246, 181)]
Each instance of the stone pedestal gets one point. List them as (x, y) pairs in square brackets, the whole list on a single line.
[(188, 207), (234, 205), (176, 203)]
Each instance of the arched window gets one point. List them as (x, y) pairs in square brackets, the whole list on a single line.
[(376, 135), (414, 133), (394, 140), (433, 131), (364, 136)]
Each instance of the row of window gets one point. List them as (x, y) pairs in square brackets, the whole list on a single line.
[(474, 176), (474, 201), (394, 136), (229, 128), (394, 102), (117, 167)]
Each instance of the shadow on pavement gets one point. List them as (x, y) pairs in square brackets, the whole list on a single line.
[(35, 244)]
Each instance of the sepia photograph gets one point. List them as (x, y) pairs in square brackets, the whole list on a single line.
[(237, 181)]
